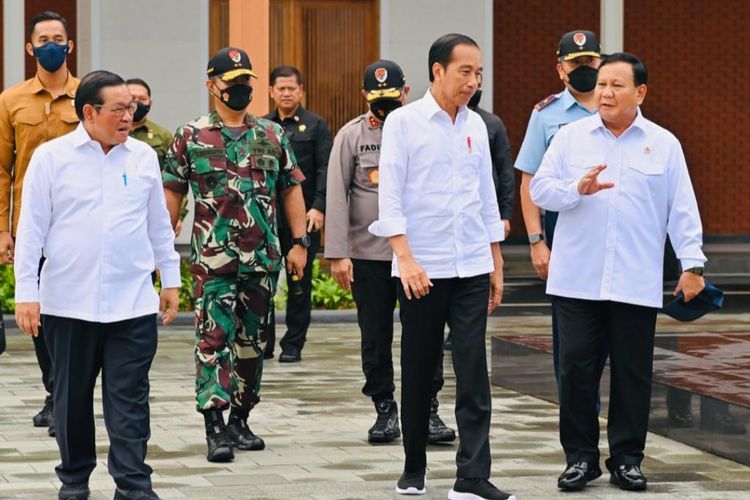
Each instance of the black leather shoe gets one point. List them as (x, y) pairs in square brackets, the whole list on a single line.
[(135, 495), (45, 415), (577, 475), (291, 355), (386, 427), (628, 477), (268, 355), (74, 491), (242, 437), (438, 431), (680, 420)]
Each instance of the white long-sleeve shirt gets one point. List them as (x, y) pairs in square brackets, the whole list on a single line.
[(436, 188), (102, 223), (610, 245)]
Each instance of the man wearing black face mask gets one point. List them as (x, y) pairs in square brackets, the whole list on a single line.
[(502, 161), (144, 129), (31, 113), (237, 166), (360, 261)]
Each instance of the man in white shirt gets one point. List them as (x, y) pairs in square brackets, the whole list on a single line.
[(437, 205), (620, 184), (94, 207)]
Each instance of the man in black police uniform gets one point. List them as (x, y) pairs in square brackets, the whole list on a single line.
[(311, 143)]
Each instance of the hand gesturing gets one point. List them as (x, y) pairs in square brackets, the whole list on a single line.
[(589, 183)]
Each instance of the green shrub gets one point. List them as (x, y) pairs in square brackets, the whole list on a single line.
[(7, 289), (326, 293)]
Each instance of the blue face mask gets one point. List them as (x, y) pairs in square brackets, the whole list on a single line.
[(51, 55)]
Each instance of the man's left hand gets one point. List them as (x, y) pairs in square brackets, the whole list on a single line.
[(296, 260), (690, 285), (315, 220), (169, 303), (496, 290), (506, 225)]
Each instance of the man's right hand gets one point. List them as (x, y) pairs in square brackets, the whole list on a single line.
[(540, 258), (28, 317), (7, 248), (413, 277), (342, 271)]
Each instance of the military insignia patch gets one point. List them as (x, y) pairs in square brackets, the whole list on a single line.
[(579, 39), (545, 102), (235, 55), (381, 75), (374, 176)]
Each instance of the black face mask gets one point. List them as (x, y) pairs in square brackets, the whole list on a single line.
[(236, 97), (382, 107), (583, 79), (141, 111), (474, 101)]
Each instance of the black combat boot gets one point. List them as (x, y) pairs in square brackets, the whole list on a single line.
[(45, 415), (217, 437), (240, 434), (438, 431), (386, 427)]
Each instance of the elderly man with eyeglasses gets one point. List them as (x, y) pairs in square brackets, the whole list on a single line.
[(94, 207)]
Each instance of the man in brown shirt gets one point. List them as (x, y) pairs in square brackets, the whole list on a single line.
[(32, 113)]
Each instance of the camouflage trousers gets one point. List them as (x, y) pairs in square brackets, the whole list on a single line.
[(231, 325)]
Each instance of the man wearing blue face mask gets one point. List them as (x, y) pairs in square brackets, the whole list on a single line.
[(31, 113)]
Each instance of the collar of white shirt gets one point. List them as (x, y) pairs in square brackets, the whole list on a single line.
[(639, 123), (80, 137), (431, 108)]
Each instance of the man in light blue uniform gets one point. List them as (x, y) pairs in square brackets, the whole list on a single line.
[(578, 59)]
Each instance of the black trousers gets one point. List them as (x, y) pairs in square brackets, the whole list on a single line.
[(298, 307), (43, 358), (629, 331), (463, 301), (375, 293), (123, 351)]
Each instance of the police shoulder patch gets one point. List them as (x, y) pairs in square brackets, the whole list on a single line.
[(545, 102)]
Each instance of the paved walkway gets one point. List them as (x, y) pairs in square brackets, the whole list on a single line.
[(315, 420)]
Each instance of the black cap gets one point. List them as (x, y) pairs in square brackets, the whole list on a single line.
[(710, 299), (229, 63), (383, 80), (578, 43)]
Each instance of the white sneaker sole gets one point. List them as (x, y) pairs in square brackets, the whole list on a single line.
[(457, 495), (411, 490)]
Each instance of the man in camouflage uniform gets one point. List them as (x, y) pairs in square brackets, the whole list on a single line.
[(237, 165)]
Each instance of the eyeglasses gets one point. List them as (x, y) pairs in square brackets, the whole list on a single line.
[(118, 109)]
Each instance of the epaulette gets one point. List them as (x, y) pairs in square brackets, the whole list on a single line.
[(545, 102)]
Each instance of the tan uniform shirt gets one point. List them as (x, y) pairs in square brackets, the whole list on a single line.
[(28, 117), (352, 193), (159, 138)]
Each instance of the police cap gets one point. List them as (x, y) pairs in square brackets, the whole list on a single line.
[(383, 80), (578, 43), (229, 63)]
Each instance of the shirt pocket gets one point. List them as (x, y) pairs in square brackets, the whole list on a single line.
[(369, 169), (263, 174), (578, 166), (646, 167), (210, 171)]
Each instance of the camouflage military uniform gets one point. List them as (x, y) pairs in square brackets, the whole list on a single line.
[(235, 179)]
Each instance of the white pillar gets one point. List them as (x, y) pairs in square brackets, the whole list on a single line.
[(89, 37), (487, 51), (14, 40), (612, 25)]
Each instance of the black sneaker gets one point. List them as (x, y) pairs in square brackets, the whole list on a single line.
[(135, 494), (477, 489), (412, 483), (45, 415), (242, 437), (438, 431), (74, 491), (386, 427)]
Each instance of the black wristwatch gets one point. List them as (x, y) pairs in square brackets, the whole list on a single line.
[(304, 241), (695, 270)]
